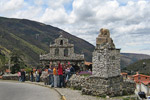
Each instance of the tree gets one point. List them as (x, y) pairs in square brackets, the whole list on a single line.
[(2, 64), (16, 58)]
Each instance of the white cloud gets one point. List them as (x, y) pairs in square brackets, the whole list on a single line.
[(10, 5), (127, 20), (57, 16)]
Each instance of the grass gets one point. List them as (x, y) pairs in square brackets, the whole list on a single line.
[(4, 50), (85, 75), (34, 48)]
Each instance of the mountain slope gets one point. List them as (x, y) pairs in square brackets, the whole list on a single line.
[(33, 38), (141, 66), (129, 58)]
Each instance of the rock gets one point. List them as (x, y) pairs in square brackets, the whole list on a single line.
[(107, 97)]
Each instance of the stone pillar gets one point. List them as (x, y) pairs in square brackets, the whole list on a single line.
[(106, 63), (105, 79)]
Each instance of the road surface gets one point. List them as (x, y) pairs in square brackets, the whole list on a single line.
[(25, 91)]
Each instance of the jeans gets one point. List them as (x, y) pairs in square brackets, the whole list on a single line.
[(20, 78), (37, 78), (32, 78), (60, 80), (55, 80), (63, 83), (68, 76), (51, 79)]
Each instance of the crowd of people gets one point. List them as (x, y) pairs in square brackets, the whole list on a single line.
[(55, 76)]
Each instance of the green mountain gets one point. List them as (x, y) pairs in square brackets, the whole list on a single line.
[(130, 58), (141, 66), (3, 57), (33, 38)]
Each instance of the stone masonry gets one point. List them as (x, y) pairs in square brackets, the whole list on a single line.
[(106, 58), (62, 51), (105, 78), (106, 68)]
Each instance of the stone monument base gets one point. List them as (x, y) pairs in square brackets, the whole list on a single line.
[(98, 86)]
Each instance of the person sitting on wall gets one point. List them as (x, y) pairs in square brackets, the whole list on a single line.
[(45, 76)]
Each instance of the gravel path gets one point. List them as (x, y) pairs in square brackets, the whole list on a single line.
[(71, 94), (77, 95)]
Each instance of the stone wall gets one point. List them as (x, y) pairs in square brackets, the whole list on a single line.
[(96, 86), (16, 78), (128, 87), (106, 63), (62, 51), (12, 77), (76, 81), (103, 86)]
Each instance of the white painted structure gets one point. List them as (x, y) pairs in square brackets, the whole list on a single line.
[(144, 88)]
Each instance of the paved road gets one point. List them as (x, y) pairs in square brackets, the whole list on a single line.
[(24, 91)]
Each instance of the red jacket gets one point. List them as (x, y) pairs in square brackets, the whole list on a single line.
[(60, 69)]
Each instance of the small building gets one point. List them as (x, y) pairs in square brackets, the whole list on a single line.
[(142, 83), (7, 71), (124, 75), (143, 87), (62, 51), (141, 78)]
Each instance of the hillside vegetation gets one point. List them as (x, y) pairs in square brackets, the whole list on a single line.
[(129, 58), (33, 38), (3, 57), (141, 66)]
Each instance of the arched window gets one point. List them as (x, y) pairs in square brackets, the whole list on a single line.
[(56, 52), (99, 58), (61, 42), (66, 52), (113, 57)]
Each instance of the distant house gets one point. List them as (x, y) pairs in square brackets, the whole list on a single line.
[(139, 78), (7, 71), (125, 75), (142, 83)]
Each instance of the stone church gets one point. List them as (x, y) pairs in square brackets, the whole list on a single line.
[(62, 51)]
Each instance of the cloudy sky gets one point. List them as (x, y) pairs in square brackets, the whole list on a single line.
[(127, 20)]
